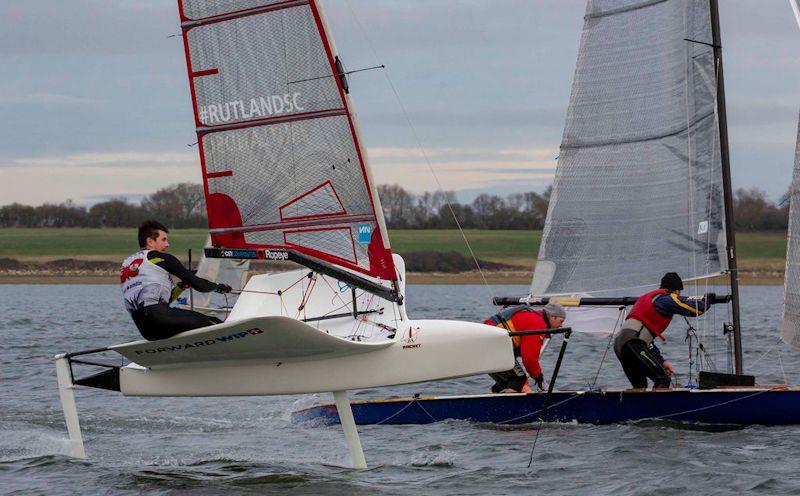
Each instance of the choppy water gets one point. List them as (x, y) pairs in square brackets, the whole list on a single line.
[(249, 445)]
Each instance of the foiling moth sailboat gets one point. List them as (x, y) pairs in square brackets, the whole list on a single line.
[(286, 177), (642, 188)]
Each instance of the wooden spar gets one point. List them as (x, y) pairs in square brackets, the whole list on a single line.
[(727, 188)]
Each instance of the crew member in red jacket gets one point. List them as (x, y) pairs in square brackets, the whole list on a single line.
[(648, 319), (525, 318)]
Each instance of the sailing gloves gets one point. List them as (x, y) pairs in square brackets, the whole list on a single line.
[(539, 382), (223, 288)]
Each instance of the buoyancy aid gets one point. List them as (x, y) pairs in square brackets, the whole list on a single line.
[(143, 282), (518, 318), (645, 312)]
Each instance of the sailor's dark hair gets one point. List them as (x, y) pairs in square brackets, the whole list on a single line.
[(149, 229)]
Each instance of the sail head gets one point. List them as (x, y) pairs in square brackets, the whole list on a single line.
[(282, 164), (638, 187)]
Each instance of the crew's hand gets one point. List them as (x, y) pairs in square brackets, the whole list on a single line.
[(668, 368), (223, 288), (539, 382), (184, 285), (711, 296)]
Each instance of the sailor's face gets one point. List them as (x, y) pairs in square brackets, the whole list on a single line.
[(556, 321), (158, 243)]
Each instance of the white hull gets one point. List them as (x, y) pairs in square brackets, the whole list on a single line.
[(439, 350)]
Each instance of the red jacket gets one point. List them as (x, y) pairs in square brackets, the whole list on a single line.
[(524, 318), (645, 312)]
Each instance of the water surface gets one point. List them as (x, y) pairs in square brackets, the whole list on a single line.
[(249, 445)]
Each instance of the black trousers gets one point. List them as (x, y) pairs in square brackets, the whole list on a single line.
[(161, 321), (639, 364), (510, 379)]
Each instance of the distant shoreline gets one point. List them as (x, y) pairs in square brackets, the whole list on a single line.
[(433, 256)]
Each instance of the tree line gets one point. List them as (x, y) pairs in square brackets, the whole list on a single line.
[(183, 206), (179, 206)]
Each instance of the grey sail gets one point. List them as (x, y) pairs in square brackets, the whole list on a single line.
[(638, 187), (790, 325)]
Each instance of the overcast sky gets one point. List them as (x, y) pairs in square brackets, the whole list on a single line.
[(94, 95)]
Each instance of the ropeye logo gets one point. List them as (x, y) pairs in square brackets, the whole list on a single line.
[(276, 255), (237, 110)]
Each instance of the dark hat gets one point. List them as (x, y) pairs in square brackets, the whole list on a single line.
[(672, 281)]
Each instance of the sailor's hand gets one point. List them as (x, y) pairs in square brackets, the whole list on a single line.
[(539, 382), (183, 285), (668, 368), (711, 296), (223, 288)]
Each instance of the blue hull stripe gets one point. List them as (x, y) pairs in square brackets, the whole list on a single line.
[(730, 407)]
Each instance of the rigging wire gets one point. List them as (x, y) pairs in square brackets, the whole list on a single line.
[(777, 342), (420, 146), (783, 371), (710, 180), (620, 320)]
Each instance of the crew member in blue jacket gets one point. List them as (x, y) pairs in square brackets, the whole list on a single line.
[(648, 319)]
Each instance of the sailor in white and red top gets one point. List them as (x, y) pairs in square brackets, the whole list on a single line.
[(147, 287)]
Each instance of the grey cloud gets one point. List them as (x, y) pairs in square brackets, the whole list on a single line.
[(547, 117), (48, 99), (57, 27)]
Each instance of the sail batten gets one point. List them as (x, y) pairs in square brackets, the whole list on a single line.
[(282, 162), (638, 186)]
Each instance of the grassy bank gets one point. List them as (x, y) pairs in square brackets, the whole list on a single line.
[(112, 244), (761, 254)]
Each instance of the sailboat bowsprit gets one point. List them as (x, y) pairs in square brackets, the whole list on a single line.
[(286, 177), (642, 188)]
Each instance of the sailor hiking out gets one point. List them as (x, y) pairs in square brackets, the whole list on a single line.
[(650, 316), (525, 318), (147, 287)]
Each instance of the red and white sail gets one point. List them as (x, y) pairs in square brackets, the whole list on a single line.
[(283, 167)]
